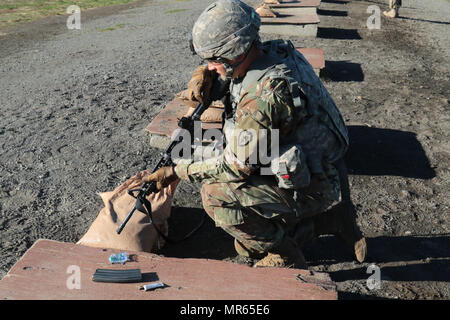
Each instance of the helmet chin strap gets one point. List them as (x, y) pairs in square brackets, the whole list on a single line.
[(229, 68)]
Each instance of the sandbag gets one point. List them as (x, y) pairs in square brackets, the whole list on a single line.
[(264, 11), (212, 114), (138, 234)]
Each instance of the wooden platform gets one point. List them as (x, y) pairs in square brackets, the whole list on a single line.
[(292, 19), (296, 4), (315, 56), (301, 25), (296, 7), (48, 269), (164, 124), (299, 11)]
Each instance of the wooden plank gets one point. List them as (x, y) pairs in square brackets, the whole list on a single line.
[(295, 4), (294, 24), (291, 19), (305, 31), (315, 57), (300, 11), (44, 272), (167, 120)]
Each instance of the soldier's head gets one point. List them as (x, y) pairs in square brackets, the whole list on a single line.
[(225, 32)]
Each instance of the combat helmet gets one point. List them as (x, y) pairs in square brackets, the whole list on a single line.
[(225, 30)]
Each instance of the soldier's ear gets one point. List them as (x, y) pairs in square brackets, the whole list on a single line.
[(241, 58)]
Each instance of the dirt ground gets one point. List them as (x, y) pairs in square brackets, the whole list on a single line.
[(75, 104)]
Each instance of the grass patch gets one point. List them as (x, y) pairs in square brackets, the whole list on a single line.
[(175, 10), (17, 11), (172, 1), (117, 26)]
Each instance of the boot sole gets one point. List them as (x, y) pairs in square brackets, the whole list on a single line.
[(360, 248)]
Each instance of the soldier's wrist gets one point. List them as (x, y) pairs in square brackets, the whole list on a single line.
[(181, 170)]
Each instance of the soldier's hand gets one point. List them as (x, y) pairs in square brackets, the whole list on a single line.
[(199, 87), (163, 177)]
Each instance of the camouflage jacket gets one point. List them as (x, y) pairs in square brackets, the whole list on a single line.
[(265, 104)]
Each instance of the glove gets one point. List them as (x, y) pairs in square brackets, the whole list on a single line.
[(199, 87), (163, 177)]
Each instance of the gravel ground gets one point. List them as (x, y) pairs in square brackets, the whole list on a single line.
[(75, 104)]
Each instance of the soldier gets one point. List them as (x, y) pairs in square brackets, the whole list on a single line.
[(394, 6), (272, 89)]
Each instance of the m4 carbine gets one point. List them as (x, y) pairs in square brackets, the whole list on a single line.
[(218, 90)]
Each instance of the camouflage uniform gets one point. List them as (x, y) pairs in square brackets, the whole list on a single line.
[(250, 206), (279, 91)]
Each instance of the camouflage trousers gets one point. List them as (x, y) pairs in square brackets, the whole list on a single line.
[(258, 214), (394, 4)]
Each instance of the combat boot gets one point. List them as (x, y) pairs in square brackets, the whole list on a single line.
[(341, 222), (393, 13), (285, 255), (244, 251)]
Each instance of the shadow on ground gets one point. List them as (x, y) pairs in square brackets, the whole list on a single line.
[(333, 13), (338, 34), (428, 261), (378, 151), (424, 20), (209, 242), (342, 71)]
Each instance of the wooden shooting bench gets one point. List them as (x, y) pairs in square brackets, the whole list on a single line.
[(295, 18), (296, 6), (52, 270), (165, 123), (315, 56)]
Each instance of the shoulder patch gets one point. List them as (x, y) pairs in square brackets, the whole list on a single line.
[(245, 137)]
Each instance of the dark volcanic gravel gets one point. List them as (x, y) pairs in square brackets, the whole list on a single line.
[(75, 104)]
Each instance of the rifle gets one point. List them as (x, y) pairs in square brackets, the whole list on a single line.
[(142, 204)]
